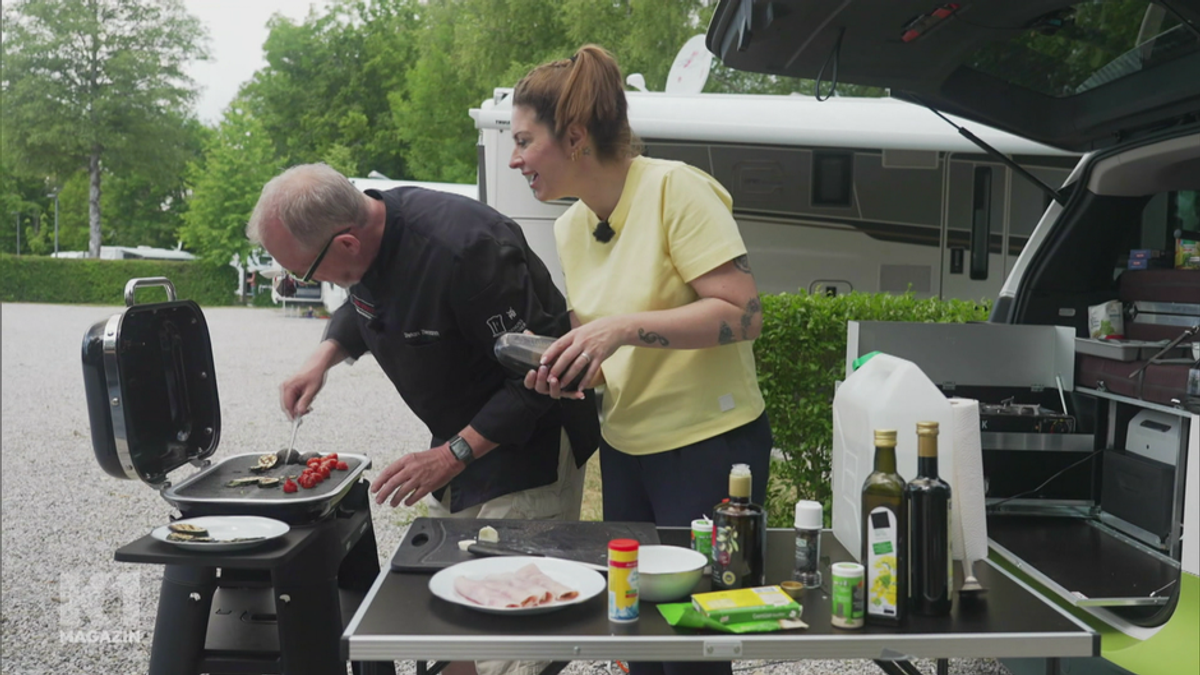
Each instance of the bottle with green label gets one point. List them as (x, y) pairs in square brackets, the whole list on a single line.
[(740, 536), (884, 535), (927, 496)]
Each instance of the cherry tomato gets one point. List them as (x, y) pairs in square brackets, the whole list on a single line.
[(332, 455), (324, 472), (289, 485), (315, 461), (342, 466)]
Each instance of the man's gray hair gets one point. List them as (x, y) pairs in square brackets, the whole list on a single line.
[(312, 201)]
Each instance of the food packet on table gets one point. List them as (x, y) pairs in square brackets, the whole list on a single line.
[(684, 615), (1106, 321)]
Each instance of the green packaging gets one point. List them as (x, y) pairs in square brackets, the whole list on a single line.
[(684, 615)]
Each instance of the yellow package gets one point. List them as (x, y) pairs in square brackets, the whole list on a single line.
[(747, 604), (1187, 254)]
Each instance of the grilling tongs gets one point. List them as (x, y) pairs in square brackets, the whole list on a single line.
[(295, 426)]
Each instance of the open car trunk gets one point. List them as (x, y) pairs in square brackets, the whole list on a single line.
[(1075, 75)]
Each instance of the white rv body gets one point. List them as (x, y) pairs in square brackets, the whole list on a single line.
[(898, 186)]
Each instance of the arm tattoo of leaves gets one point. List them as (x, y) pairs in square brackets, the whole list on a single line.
[(742, 262), (753, 307), (651, 338), (725, 335)]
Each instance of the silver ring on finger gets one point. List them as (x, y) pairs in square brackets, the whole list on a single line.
[(586, 356)]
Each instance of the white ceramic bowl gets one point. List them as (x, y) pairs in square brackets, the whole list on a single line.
[(668, 573)]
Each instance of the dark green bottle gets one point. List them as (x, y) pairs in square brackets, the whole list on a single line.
[(884, 534), (931, 576), (740, 550)]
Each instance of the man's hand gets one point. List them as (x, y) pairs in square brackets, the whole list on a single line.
[(296, 394), (416, 475)]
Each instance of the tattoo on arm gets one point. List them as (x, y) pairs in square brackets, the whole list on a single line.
[(725, 335), (753, 307), (651, 338), (742, 262)]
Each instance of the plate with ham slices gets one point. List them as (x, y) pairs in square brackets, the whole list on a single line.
[(517, 584)]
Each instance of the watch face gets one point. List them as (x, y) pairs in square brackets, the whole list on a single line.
[(461, 450)]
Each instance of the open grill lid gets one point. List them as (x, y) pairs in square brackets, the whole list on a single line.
[(151, 387), (1075, 75)]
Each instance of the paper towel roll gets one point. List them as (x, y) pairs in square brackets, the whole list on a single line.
[(969, 517)]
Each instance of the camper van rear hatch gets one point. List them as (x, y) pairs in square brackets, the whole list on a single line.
[(1075, 75)]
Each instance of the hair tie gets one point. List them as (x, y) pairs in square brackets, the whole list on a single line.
[(573, 57)]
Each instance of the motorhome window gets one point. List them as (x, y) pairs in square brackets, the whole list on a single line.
[(832, 178), (981, 222), (1087, 45)]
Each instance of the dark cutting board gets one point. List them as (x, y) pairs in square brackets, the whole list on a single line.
[(431, 544)]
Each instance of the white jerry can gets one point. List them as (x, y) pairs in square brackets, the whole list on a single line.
[(891, 393)]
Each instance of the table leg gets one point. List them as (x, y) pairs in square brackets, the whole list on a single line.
[(423, 669), (181, 625), (943, 667), (897, 667)]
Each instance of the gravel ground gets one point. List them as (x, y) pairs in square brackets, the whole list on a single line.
[(63, 517)]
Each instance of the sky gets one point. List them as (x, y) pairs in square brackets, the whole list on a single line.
[(237, 30)]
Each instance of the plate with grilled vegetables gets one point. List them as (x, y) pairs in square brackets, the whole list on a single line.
[(220, 533)]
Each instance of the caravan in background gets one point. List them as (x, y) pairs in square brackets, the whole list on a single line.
[(849, 194)]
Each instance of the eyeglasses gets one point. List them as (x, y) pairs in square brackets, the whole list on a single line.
[(286, 286), (312, 269)]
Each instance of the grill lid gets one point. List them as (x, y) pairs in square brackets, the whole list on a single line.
[(152, 387)]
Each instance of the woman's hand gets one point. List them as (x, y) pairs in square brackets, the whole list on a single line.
[(576, 356)]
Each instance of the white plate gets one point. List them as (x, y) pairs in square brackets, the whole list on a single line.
[(223, 528), (588, 582)]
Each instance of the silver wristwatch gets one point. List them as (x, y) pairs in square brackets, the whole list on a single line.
[(462, 450)]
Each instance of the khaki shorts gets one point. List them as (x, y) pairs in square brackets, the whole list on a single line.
[(560, 500)]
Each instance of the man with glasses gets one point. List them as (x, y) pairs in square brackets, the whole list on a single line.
[(434, 278)]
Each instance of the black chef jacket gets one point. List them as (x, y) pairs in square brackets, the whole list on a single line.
[(451, 275)]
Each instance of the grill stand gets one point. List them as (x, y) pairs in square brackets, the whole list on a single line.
[(280, 608)]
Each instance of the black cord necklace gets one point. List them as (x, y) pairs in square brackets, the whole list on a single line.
[(603, 232)]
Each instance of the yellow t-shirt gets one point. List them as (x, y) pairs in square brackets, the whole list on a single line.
[(673, 224)]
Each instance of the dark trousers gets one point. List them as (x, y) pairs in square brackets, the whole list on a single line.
[(675, 487)]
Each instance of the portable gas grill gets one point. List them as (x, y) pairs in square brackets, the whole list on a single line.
[(277, 608)]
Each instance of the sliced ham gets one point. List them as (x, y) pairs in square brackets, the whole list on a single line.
[(526, 587), (489, 593), (532, 574)]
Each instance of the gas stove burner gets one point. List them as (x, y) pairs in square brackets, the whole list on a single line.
[(1015, 409), (1023, 417)]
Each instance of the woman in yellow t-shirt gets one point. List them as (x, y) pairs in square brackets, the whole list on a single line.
[(664, 307)]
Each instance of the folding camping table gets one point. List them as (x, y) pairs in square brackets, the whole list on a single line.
[(401, 619)]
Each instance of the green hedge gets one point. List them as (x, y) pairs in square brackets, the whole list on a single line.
[(102, 282), (800, 354)]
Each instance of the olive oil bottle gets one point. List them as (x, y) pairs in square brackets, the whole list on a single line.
[(884, 535), (740, 528), (931, 576)]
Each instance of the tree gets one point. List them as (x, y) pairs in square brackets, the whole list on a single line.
[(97, 84), (238, 160), (324, 92)]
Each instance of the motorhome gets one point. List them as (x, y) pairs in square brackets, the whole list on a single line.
[(1092, 458), (849, 194)]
